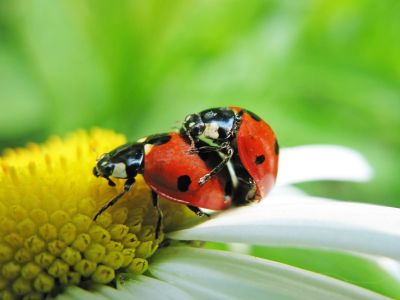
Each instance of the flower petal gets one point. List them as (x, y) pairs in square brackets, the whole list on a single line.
[(144, 287), (212, 274), (132, 287), (321, 162), (285, 190), (307, 222), (76, 293), (362, 270)]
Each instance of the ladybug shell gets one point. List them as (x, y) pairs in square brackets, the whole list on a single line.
[(258, 151), (174, 173)]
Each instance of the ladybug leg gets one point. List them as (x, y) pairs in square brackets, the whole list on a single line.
[(197, 211), (192, 142), (204, 149), (110, 182), (219, 167), (127, 186), (154, 198)]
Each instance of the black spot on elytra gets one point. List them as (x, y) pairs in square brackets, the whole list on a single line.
[(276, 147), (157, 140), (260, 159), (183, 183), (253, 115)]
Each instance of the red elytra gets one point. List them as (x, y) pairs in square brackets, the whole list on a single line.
[(258, 150), (172, 172)]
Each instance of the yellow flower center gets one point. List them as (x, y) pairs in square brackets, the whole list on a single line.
[(48, 198)]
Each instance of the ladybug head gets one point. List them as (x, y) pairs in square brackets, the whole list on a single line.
[(106, 168), (193, 125), (123, 162)]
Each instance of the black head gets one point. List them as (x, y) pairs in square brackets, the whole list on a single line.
[(123, 162), (104, 168), (193, 125), (215, 124)]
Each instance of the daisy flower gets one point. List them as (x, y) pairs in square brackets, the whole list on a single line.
[(51, 247)]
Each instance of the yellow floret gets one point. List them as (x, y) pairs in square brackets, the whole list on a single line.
[(48, 198)]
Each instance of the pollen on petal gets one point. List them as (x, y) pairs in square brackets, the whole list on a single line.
[(48, 198)]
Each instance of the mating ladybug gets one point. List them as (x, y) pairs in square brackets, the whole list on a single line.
[(222, 157), (168, 168), (241, 138)]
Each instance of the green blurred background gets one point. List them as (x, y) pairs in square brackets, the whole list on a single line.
[(317, 71)]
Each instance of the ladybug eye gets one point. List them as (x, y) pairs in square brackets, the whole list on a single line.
[(106, 169), (109, 169), (197, 130), (192, 121)]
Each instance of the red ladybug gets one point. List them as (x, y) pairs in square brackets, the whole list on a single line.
[(169, 169), (242, 139)]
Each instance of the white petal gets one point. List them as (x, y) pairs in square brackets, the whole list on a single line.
[(212, 274), (134, 287), (286, 190), (306, 222), (76, 293), (321, 162), (144, 287)]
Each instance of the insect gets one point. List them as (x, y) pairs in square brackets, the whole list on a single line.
[(169, 169), (242, 139)]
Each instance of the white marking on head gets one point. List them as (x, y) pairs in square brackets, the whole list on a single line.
[(147, 148), (141, 140), (119, 170), (211, 130)]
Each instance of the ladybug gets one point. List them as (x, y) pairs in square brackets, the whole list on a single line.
[(243, 140), (170, 169)]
